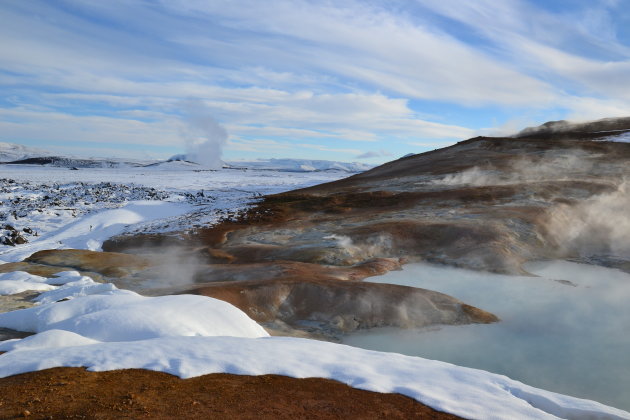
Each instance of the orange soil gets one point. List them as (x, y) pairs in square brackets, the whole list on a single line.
[(130, 394)]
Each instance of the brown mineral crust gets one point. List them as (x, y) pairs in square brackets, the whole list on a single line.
[(132, 394), (343, 307), (110, 264), (44, 270), (286, 270)]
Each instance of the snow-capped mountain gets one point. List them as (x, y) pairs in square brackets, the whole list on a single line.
[(70, 162), (10, 152), (20, 154), (299, 165), (283, 165)]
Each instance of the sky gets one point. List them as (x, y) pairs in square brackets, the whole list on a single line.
[(365, 81)]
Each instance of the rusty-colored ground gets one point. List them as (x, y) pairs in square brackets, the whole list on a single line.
[(65, 393)]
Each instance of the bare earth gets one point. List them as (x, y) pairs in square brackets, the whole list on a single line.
[(63, 393)]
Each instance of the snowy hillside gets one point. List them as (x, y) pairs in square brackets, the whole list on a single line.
[(19, 154), (300, 165), (52, 207), (11, 151), (71, 162)]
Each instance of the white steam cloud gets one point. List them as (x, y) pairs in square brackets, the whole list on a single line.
[(598, 225), (205, 137), (523, 170), (375, 246)]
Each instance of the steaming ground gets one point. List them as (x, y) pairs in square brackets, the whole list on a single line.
[(562, 331)]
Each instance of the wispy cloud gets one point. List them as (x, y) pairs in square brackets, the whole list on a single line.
[(304, 72), (373, 154)]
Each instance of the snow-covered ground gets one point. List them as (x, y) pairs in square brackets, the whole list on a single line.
[(63, 208), (104, 328)]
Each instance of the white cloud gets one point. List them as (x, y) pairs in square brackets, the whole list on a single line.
[(373, 154), (578, 51), (299, 71), (259, 145), (56, 126), (322, 148)]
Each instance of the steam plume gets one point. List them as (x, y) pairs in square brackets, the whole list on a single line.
[(204, 136), (598, 225)]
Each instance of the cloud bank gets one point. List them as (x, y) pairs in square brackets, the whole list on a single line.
[(393, 74)]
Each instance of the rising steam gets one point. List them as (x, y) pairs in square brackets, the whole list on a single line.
[(555, 168), (599, 225), (204, 136)]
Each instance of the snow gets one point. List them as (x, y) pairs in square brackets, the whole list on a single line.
[(11, 151), (110, 314), (91, 231), (621, 138), (300, 165), (65, 285), (47, 339), (83, 287), (19, 281)]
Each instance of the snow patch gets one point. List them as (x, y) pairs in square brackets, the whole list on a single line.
[(110, 314), (620, 138), (466, 392), (20, 281)]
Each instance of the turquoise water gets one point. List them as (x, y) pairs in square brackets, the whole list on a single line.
[(567, 330)]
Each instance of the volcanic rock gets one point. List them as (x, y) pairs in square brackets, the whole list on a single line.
[(335, 307)]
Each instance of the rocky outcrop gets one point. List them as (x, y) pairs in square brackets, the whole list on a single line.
[(108, 264), (332, 308)]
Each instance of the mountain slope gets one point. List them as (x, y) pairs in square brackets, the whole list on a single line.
[(11, 151)]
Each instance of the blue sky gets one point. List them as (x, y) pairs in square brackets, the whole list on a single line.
[(341, 80)]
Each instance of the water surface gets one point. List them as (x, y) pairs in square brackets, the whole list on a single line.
[(566, 331)]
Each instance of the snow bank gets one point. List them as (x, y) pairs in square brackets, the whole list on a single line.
[(466, 392), (64, 285), (122, 315), (20, 281), (89, 232)]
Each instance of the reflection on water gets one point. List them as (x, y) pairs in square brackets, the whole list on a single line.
[(566, 331)]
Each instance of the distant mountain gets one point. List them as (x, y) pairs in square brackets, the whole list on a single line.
[(174, 165), (23, 155), (300, 165), (283, 165), (69, 162), (10, 152)]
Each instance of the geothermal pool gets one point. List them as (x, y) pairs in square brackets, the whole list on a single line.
[(567, 330)]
